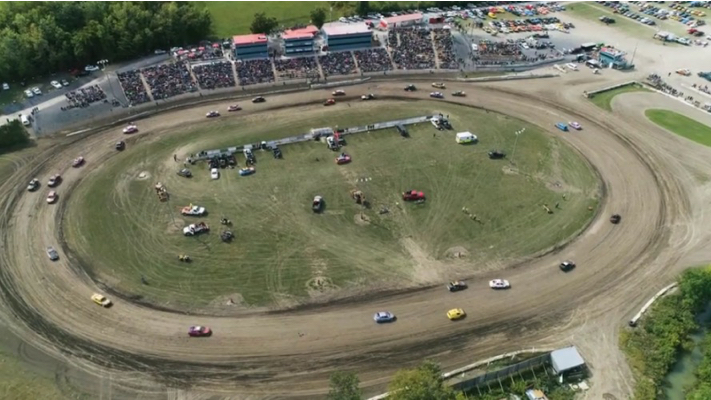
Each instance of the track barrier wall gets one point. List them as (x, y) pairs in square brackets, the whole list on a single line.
[(648, 304), (507, 78), (592, 94), (339, 83)]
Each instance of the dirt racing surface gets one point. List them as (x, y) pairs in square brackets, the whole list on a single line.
[(657, 182)]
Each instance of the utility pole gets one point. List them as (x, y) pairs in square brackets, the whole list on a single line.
[(513, 153)]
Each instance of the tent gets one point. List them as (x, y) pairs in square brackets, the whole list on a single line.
[(466, 137)]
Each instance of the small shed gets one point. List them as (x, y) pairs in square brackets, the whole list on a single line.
[(466, 137), (566, 360)]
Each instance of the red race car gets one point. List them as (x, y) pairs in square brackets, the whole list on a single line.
[(329, 102), (199, 331), (343, 159), (413, 195), (234, 107)]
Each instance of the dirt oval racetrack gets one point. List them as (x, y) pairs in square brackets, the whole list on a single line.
[(290, 354)]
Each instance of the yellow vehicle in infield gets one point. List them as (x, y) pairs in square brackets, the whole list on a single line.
[(100, 300), (455, 314)]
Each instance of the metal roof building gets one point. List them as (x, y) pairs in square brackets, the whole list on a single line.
[(250, 46), (401, 20), (566, 359), (347, 36), (299, 41)]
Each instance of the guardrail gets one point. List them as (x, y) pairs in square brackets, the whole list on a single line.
[(507, 78), (648, 304), (606, 89), (339, 83)]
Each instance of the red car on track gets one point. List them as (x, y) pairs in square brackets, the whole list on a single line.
[(329, 102), (413, 195), (343, 159), (198, 331)]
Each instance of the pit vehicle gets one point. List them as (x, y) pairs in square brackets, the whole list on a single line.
[(120, 145), (259, 99), (130, 129), (247, 171), (212, 114), (369, 96), (52, 253), (410, 88), (317, 204), (383, 317), (100, 300), (195, 229), (438, 85), (499, 284), (456, 286), (615, 218), (459, 93), (455, 314), (413, 195), (33, 185), (184, 258), (52, 197), (343, 158), (277, 153), (193, 210), (185, 173), (78, 162), (54, 180), (199, 331), (227, 236), (496, 154), (566, 266), (233, 107), (329, 102), (338, 93)]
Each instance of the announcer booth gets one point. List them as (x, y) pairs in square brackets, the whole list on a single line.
[(251, 46), (299, 41), (347, 36), (400, 21)]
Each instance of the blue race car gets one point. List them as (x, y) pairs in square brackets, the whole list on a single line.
[(563, 127), (383, 316), (246, 171)]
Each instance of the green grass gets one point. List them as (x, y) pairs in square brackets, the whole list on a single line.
[(681, 125), (604, 99), (593, 11), (19, 383), (281, 246)]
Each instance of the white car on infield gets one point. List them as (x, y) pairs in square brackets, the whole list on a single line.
[(214, 173), (499, 284), (193, 210)]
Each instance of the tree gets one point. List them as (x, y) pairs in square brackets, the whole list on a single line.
[(263, 24), (363, 8), (318, 17), (344, 386), (13, 134), (422, 383)]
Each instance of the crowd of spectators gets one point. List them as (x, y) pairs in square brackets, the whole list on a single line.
[(85, 97), (414, 50), (295, 68), (341, 63), (498, 53), (168, 80), (215, 75), (373, 60), (251, 72), (133, 87), (443, 46)]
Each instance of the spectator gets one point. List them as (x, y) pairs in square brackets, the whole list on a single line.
[(295, 68), (341, 63), (413, 50), (84, 97), (373, 60), (133, 87), (443, 47), (251, 72), (168, 80), (215, 75)]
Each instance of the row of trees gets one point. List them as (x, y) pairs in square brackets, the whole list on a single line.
[(266, 25), (40, 38), (653, 347), (13, 135), (702, 389)]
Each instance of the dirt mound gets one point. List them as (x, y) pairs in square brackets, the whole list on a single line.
[(456, 252), (361, 219)]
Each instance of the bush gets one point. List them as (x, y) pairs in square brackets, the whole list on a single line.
[(13, 135)]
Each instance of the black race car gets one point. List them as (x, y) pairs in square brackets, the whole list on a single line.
[(496, 154), (120, 145), (566, 266), (410, 88), (456, 286), (615, 218), (259, 99)]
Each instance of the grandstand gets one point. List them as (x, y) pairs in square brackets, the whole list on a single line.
[(299, 41), (347, 37), (250, 46)]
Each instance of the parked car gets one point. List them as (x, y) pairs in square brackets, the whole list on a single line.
[(496, 154), (56, 84), (199, 331), (100, 300), (343, 158), (413, 195), (383, 317), (566, 266), (193, 210), (91, 68), (29, 94), (52, 253), (214, 173), (456, 286), (36, 91), (317, 204), (185, 173), (65, 82), (455, 314)]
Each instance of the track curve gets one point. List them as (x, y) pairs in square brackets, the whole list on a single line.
[(268, 355)]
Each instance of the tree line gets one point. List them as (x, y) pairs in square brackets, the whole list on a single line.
[(13, 135), (41, 38)]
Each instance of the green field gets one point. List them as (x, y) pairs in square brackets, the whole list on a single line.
[(604, 99), (282, 248), (681, 125)]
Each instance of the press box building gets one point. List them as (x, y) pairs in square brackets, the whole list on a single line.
[(347, 36), (251, 46), (299, 41)]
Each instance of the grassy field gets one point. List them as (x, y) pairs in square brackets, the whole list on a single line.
[(18, 383), (282, 248), (681, 125), (604, 99)]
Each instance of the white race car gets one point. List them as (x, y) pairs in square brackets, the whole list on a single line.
[(438, 85), (499, 284), (212, 114), (338, 93), (575, 125), (369, 96), (193, 210), (130, 129), (437, 95)]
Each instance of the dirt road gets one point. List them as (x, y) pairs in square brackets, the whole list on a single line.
[(656, 181)]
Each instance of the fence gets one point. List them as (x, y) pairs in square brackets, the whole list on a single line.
[(633, 321), (497, 376), (339, 83), (592, 94), (206, 154), (507, 78)]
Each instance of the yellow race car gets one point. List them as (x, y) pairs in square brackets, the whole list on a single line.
[(100, 300), (455, 314)]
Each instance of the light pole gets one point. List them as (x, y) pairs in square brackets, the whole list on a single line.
[(103, 63), (517, 133)]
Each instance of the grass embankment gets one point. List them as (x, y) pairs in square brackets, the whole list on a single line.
[(681, 125), (653, 347), (604, 99)]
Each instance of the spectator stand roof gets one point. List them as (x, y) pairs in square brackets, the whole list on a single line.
[(399, 19), (302, 33), (566, 359), (335, 29), (243, 40)]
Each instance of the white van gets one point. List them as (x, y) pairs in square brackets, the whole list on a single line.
[(25, 121)]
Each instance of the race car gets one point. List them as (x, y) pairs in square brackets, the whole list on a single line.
[(33, 185), (459, 93), (438, 85), (120, 145), (566, 266), (437, 95), (410, 88), (343, 158), (100, 300), (338, 93), (212, 114), (615, 218), (130, 129), (198, 331), (233, 107), (214, 173), (455, 314), (54, 180), (575, 125), (683, 71), (247, 171), (317, 204), (499, 284), (369, 96), (383, 316), (563, 127), (456, 286), (259, 99), (329, 102), (78, 162), (496, 154), (193, 210), (185, 173), (194, 229), (413, 195), (52, 197), (52, 253)]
